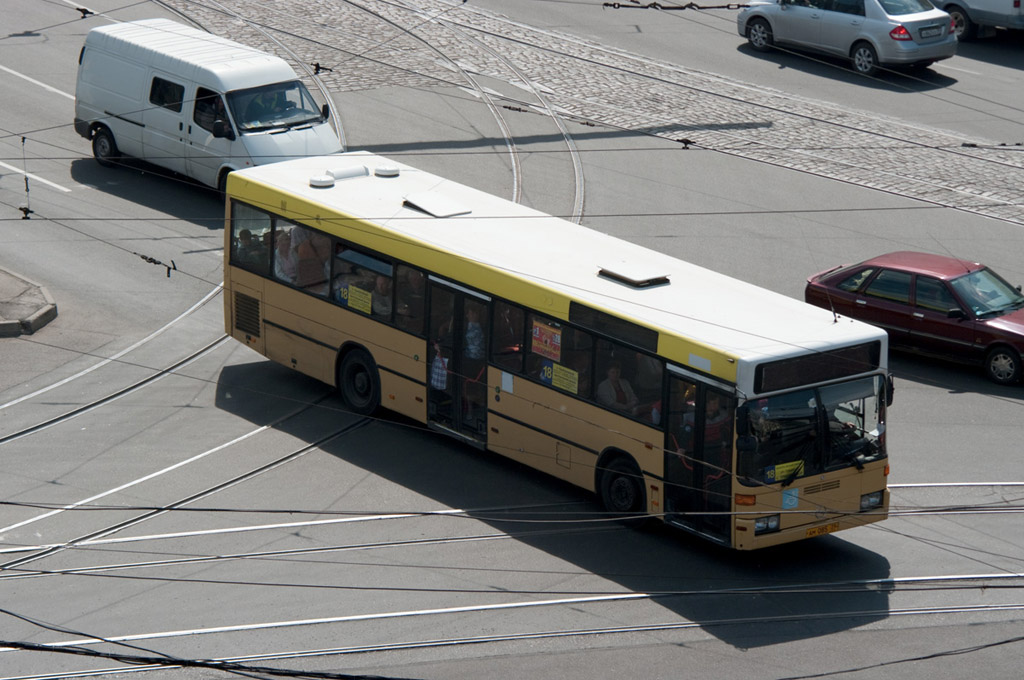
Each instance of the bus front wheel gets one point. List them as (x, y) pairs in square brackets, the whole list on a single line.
[(359, 383), (622, 490)]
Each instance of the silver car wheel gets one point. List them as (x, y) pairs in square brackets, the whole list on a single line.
[(759, 33), (865, 61)]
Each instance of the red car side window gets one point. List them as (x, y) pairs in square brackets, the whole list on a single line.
[(854, 282), (890, 285)]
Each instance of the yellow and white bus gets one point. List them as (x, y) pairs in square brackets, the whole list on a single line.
[(669, 390)]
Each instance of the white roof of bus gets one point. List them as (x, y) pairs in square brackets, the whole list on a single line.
[(738, 318), (168, 46)]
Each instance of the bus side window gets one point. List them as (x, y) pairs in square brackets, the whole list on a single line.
[(250, 229), (578, 357), (616, 371), (507, 336), (312, 251), (411, 287)]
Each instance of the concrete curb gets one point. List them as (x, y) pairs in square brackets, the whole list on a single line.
[(31, 302)]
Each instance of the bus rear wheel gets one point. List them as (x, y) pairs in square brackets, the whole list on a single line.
[(622, 491), (359, 382)]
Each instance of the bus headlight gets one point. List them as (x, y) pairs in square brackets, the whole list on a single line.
[(870, 500), (766, 525)]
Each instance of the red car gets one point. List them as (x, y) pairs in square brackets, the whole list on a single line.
[(933, 305)]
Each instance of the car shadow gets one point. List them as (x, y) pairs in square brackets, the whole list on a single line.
[(952, 377), (154, 188), (746, 599), (898, 80)]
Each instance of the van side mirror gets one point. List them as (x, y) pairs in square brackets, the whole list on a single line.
[(325, 111), (222, 130)]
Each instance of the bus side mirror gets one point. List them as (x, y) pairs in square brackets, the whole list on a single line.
[(742, 423), (890, 387), (746, 444), (325, 111)]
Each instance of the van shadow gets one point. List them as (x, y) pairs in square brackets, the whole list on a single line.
[(154, 188), (799, 591), (1001, 49)]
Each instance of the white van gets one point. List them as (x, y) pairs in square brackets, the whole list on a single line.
[(193, 102), (974, 18)]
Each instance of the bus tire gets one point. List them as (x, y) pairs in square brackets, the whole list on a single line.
[(359, 382), (621, 490), (104, 148)]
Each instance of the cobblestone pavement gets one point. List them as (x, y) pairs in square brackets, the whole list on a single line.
[(417, 44)]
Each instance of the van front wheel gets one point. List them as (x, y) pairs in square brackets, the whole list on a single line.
[(104, 148)]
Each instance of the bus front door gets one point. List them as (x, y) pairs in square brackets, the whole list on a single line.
[(698, 459), (457, 378)]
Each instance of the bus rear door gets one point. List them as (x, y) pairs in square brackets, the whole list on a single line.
[(457, 370)]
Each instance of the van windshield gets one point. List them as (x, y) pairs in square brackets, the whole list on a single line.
[(272, 106)]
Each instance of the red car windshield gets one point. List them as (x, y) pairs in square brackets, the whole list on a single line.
[(985, 292)]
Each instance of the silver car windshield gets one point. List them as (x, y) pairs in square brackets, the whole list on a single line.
[(985, 292), (272, 106)]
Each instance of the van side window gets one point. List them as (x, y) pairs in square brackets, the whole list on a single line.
[(209, 108), (166, 94)]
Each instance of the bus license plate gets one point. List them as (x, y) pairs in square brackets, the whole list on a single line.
[(931, 32), (822, 530)]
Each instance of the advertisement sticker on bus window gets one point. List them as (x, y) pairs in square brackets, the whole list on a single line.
[(547, 341), (777, 473), (565, 379), (559, 376), (358, 298)]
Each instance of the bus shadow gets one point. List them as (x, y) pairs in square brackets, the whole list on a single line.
[(800, 591)]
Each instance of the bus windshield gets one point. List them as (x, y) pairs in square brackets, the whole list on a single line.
[(273, 106), (810, 431)]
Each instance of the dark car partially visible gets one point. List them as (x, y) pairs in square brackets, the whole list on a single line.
[(932, 305)]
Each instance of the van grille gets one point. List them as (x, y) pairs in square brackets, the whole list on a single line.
[(247, 314)]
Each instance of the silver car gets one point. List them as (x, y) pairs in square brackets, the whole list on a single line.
[(870, 33)]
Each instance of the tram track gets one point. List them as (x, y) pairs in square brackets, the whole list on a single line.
[(454, 63), (100, 541), (866, 585), (113, 396), (48, 551)]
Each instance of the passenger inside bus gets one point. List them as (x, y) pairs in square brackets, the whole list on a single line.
[(382, 294), (284, 256), (615, 391), (410, 290)]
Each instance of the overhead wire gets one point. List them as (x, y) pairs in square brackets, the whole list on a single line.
[(134, 253)]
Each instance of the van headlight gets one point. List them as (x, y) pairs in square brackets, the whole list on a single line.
[(766, 525), (869, 501)]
